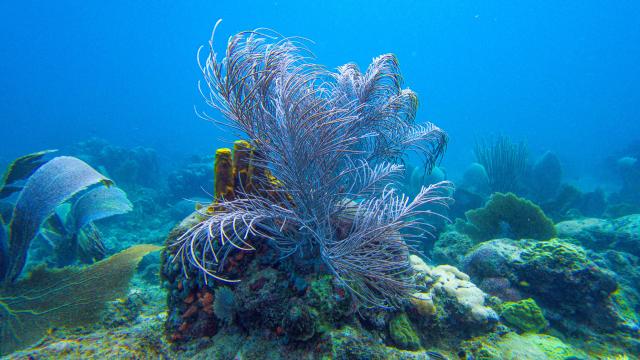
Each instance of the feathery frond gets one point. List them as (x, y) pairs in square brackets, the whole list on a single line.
[(331, 140)]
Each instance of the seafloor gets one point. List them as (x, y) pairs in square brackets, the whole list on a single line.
[(507, 280)]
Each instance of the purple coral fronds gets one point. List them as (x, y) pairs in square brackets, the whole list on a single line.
[(332, 140)]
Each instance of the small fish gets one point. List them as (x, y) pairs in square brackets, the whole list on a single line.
[(434, 355), (627, 162)]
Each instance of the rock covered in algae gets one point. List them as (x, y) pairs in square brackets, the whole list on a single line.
[(138, 340), (423, 303), (589, 232), (451, 247), (524, 315), (621, 234), (559, 275), (512, 346), (402, 333), (564, 275), (330, 299), (300, 322)]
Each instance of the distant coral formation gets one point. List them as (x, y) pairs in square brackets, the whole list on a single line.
[(129, 167), (507, 215), (545, 177), (505, 162)]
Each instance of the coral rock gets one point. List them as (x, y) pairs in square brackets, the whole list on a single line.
[(423, 303), (300, 322), (446, 282), (456, 284), (402, 333), (451, 247), (524, 315), (418, 264)]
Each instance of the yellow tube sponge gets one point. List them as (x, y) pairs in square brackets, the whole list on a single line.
[(223, 174), (242, 168)]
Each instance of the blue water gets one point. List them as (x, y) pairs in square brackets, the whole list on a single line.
[(561, 75)]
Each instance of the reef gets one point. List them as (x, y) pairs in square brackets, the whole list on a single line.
[(249, 274), (451, 247), (299, 262), (150, 185), (321, 240), (622, 234), (138, 166), (526, 346), (191, 179), (578, 297), (570, 203)]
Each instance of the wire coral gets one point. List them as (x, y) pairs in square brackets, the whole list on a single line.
[(327, 145), (504, 161)]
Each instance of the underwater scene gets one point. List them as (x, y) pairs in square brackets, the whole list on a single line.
[(436, 180)]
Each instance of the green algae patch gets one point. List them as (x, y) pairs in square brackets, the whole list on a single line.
[(556, 254), (403, 334), (536, 346), (351, 343), (513, 346), (625, 308), (525, 220), (524, 315), (68, 297), (332, 302)]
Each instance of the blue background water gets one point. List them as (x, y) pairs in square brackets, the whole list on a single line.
[(562, 75)]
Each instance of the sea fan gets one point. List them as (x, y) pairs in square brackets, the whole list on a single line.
[(47, 186), (68, 297), (99, 203), (53, 183), (20, 169), (331, 141)]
